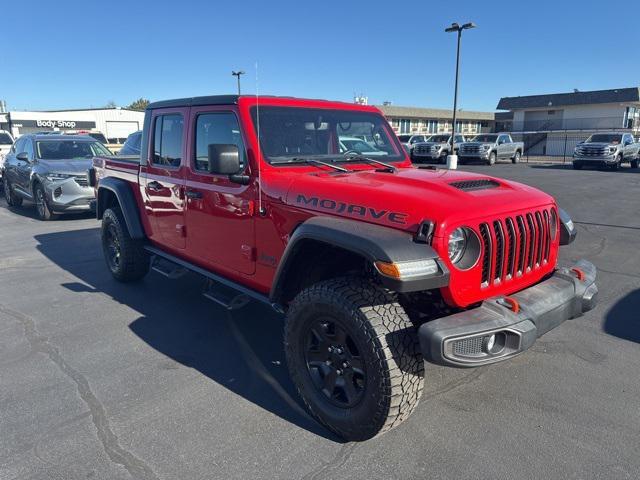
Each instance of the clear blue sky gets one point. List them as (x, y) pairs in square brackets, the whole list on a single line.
[(74, 54)]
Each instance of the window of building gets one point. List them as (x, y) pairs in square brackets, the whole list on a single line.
[(167, 138), (405, 125), (216, 128)]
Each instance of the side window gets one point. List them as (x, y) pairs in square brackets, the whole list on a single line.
[(167, 140), (18, 147), (28, 147), (216, 128)]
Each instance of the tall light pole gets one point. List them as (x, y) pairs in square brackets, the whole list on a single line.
[(237, 74), (452, 158)]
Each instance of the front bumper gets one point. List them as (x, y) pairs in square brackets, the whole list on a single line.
[(474, 156), (68, 196), (605, 160), (498, 330)]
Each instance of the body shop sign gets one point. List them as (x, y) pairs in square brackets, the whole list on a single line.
[(55, 124)]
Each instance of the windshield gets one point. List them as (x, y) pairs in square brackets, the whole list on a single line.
[(439, 138), (485, 138), (69, 149), (611, 138), (287, 133), (5, 139)]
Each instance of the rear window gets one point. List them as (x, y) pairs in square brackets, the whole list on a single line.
[(167, 140), (98, 136), (5, 139), (69, 149)]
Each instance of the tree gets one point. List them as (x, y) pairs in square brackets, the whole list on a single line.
[(139, 104), (110, 104)]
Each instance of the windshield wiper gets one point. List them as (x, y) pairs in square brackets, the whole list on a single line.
[(363, 158), (310, 160)]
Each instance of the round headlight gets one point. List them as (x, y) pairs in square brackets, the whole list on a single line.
[(464, 248), (457, 244)]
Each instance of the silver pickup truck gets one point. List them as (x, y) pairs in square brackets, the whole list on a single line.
[(608, 150), (489, 147), (436, 147)]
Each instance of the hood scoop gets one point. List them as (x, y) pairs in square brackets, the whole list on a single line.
[(470, 185)]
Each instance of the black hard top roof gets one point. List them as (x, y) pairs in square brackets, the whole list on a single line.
[(195, 101)]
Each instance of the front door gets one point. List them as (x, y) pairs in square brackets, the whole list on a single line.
[(162, 178), (219, 212)]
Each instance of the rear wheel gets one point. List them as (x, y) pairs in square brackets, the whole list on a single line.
[(354, 357), (126, 258), (42, 205), (492, 158), (634, 163), (9, 195)]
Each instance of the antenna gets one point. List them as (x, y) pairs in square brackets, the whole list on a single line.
[(259, 151)]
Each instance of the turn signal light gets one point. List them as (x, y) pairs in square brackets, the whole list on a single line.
[(404, 270)]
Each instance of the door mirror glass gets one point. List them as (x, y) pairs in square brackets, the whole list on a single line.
[(224, 159), (22, 156)]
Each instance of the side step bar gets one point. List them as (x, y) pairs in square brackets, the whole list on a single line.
[(215, 283)]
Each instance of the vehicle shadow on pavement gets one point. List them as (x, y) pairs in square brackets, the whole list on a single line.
[(623, 319), (28, 210), (244, 354)]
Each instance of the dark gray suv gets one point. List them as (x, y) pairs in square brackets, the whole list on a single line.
[(51, 171)]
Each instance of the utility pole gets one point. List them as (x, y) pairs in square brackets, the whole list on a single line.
[(452, 158)]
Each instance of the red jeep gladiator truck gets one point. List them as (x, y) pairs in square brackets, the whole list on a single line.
[(377, 264)]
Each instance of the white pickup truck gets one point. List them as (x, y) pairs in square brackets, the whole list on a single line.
[(607, 149), (490, 147)]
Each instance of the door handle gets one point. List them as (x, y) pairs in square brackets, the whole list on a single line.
[(155, 186), (193, 194)]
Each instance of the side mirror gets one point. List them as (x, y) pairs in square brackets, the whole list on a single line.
[(22, 156), (224, 159)]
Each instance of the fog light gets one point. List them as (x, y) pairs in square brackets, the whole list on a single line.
[(494, 344)]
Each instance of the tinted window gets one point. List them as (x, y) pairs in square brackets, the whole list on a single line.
[(98, 136), (168, 140), (5, 139), (18, 147), (28, 147), (216, 128)]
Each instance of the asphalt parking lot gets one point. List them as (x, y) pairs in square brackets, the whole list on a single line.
[(109, 381)]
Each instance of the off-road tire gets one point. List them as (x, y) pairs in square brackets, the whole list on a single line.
[(516, 157), (388, 346), (132, 261), (42, 206), (634, 163), (492, 158), (10, 197)]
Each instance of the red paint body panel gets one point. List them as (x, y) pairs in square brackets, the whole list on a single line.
[(226, 234)]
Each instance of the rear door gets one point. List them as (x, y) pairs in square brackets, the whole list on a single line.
[(219, 213), (162, 179)]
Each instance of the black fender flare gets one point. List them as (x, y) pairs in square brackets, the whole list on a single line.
[(124, 195), (370, 241)]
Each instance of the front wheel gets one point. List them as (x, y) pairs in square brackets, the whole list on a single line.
[(354, 357), (617, 163), (126, 258), (634, 163), (516, 158), (42, 205), (492, 158)]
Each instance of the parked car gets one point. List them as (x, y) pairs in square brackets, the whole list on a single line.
[(607, 149), (490, 147), (6, 142), (132, 144), (409, 140), (437, 147), (376, 264), (51, 172)]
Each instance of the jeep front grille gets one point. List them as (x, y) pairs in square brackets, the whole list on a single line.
[(514, 246)]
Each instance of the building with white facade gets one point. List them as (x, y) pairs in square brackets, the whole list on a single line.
[(432, 120), (115, 123)]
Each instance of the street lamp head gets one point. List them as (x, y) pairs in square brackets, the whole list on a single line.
[(238, 73), (469, 25), (453, 28)]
